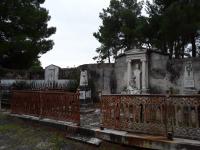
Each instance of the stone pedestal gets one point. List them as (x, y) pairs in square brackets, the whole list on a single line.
[(85, 96), (84, 90)]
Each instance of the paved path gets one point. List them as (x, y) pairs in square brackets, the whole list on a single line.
[(91, 119)]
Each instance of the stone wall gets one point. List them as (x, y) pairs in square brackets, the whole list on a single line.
[(165, 75), (168, 75), (158, 75), (101, 77), (121, 73)]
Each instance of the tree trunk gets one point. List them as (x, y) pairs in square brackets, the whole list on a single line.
[(171, 50), (109, 57), (176, 48), (194, 49), (182, 48)]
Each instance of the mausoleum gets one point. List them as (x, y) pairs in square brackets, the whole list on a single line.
[(139, 71)]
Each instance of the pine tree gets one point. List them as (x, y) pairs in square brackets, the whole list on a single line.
[(24, 32), (119, 29), (175, 24)]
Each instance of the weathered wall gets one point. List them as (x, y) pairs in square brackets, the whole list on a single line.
[(164, 74), (101, 76), (168, 75), (158, 73), (121, 73)]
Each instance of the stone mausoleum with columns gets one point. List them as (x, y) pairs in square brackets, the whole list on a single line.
[(137, 71), (142, 71)]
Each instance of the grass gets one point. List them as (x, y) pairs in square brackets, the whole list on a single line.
[(16, 134)]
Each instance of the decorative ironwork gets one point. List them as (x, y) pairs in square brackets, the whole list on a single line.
[(184, 115), (62, 106), (152, 114)]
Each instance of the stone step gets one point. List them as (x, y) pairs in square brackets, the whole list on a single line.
[(84, 135), (88, 140)]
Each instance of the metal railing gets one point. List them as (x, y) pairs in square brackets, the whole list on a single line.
[(64, 106), (153, 114)]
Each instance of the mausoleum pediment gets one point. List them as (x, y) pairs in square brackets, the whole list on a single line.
[(136, 51)]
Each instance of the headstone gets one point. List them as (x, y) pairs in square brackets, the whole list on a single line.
[(85, 91), (189, 76), (84, 78)]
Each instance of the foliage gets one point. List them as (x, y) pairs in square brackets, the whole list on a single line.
[(36, 66), (154, 90), (119, 29), (72, 86), (175, 24), (24, 33), (173, 91), (21, 85), (174, 71), (170, 26)]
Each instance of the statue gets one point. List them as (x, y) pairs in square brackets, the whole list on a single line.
[(84, 78), (137, 77), (134, 86)]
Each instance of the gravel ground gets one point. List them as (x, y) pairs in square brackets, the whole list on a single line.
[(18, 135), (91, 119)]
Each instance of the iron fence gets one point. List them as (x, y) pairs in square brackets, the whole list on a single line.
[(64, 106)]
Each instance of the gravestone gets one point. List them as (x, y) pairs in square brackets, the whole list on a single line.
[(189, 76), (189, 82), (84, 90)]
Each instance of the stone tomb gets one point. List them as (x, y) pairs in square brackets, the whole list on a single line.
[(51, 73)]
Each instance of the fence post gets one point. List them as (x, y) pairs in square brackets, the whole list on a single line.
[(0, 100), (168, 119), (101, 111), (40, 104)]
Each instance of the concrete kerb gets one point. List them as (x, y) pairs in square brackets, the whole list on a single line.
[(87, 135)]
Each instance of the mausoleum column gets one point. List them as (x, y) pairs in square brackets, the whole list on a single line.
[(144, 75), (128, 72)]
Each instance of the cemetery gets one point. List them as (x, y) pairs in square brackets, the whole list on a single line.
[(137, 94), (143, 91)]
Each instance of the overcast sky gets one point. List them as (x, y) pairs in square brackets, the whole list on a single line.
[(75, 20)]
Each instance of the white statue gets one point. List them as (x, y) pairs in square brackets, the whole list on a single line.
[(137, 77), (134, 86), (83, 78)]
